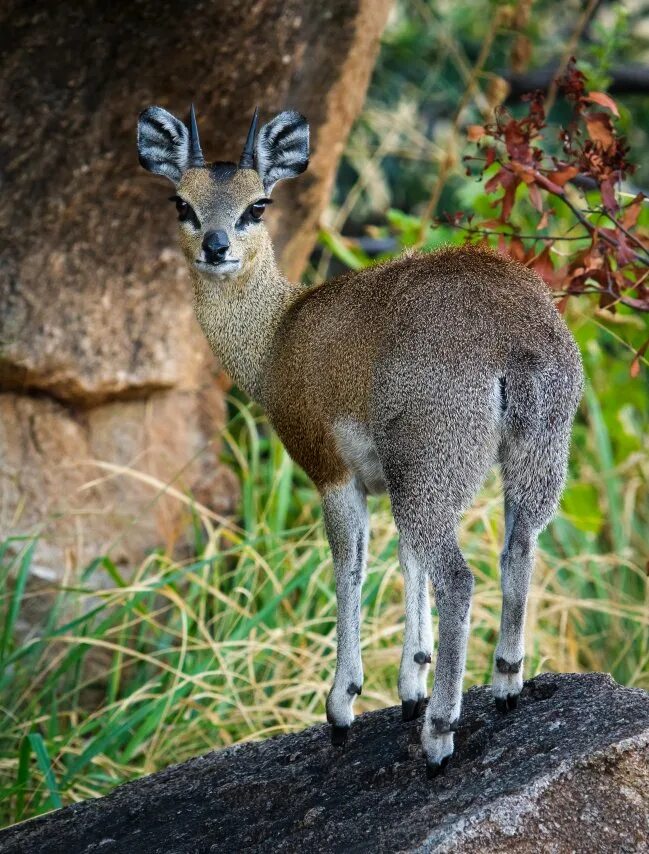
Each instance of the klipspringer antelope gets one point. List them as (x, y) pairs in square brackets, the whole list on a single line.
[(412, 377)]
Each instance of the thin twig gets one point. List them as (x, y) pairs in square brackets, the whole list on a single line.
[(489, 232), (629, 234), (568, 53), (449, 159), (592, 228)]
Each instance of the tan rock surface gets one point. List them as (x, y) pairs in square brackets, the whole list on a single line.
[(53, 481), (95, 306)]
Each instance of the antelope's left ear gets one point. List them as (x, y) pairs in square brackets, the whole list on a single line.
[(282, 148)]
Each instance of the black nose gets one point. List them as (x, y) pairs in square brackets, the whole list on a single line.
[(215, 245)]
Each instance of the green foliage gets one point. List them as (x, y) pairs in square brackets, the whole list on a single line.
[(421, 76)]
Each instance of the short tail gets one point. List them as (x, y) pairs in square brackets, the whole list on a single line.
[(541, 393), (540, 397)]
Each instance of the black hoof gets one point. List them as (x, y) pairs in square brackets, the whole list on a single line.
[(507, 704), (411, 709), (434, 769), (512, 701), (339, 735)]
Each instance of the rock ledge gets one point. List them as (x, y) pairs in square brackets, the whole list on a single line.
[(567, 772)]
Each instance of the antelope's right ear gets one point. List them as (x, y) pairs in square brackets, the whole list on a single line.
[(163, 143)]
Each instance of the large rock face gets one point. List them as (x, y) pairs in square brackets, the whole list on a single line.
[(95, 305), (567, 772), (50, 463)]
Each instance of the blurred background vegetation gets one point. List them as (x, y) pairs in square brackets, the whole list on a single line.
[(237, 641)]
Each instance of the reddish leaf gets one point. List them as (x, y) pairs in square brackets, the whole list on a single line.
[(543, 266), (625, 252), (607, 301), (517, 142), (516, 249), (592, 257), (475, 132), (508, 198), (572, 83), (632, 211), (508, 181), (600, 130), (548, 185), (603, 100), (495, 181), (638, 304), (563, 175), (608, 195)]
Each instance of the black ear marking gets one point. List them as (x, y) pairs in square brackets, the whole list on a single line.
[(163, 144), (282, 148)]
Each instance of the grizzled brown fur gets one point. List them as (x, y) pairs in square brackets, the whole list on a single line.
[(461, 311)]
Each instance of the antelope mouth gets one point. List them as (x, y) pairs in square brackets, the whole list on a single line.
[(218, 269)]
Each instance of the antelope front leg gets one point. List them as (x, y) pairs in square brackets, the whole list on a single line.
[(418, 636), (346, 524)]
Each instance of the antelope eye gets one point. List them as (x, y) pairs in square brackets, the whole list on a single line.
[(253, 213), (185, 211), (257, 210)]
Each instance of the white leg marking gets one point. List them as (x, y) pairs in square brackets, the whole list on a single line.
[(418, 635), (346, 524)]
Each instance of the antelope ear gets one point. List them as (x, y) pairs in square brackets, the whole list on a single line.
[(163, 143), (282, 148)]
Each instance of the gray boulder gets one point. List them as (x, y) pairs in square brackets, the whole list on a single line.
[(566, 772)]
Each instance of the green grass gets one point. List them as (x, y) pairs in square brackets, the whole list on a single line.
[(178, 657)]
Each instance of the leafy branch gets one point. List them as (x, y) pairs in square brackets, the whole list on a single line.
[(613, 259)]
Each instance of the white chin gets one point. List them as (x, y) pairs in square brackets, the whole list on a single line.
[(218, 271)]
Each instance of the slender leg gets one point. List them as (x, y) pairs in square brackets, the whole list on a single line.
[(346, 524), (453, 585), (418, 636), (516, 565)]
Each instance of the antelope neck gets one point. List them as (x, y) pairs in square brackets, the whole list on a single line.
[(240, 317)]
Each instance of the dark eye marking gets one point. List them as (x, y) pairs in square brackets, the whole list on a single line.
[(253, 213), (186, 212)]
